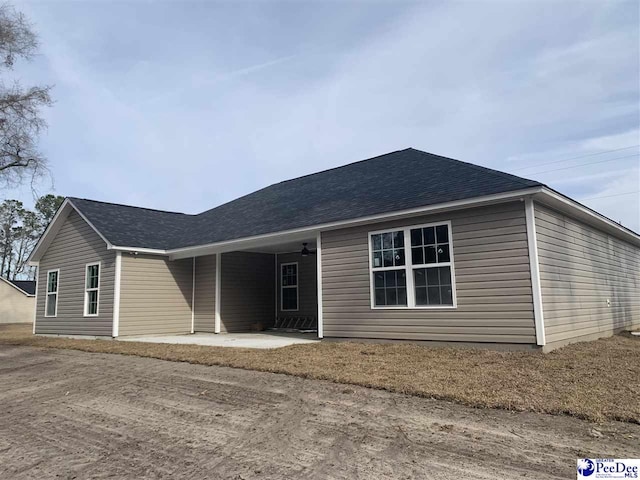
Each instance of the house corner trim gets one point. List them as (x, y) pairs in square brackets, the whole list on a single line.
[(216, 328), (35, 305), (116, 296), (193, 295), (534, 270)]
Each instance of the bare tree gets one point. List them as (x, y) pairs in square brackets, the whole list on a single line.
[(20, 120)]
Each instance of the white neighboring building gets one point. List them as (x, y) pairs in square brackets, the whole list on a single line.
[(17, 301)]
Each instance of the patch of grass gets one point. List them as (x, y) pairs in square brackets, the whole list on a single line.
[(596, 381)]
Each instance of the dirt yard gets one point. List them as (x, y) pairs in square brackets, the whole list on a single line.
[(594, 380), (71, 414)]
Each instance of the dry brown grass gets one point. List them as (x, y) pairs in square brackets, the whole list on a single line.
[(596, 381)]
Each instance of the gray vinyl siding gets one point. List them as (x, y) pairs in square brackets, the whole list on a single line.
[(247, 291), (205, 294), (493, 282), (580, 268), (75, 245), (307, 284), (155, 295)]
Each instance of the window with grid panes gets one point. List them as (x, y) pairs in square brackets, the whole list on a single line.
[(412, 267)]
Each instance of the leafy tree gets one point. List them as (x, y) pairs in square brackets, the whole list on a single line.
[(20, 230), (20, 120), (11, 213), (26, 237), (46, 208)]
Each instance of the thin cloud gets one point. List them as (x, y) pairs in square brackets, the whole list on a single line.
[(245, 96), (254, 68), (611, 142)]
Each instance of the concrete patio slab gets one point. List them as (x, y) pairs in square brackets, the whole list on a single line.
[(238, 340)]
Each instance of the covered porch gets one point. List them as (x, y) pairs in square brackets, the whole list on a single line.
[(244, 286), (270, 287)]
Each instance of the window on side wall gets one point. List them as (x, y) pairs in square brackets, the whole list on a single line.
[(412, 267), (289, 287), (92, 289), (51, 301)]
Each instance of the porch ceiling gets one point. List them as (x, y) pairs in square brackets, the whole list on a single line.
[(285, 247), (280, 243)]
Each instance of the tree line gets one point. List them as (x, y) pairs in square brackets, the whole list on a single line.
[(20, 230)]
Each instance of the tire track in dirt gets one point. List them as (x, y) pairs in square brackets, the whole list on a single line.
[(78, 415)]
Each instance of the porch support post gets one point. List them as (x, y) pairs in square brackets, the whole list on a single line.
[(216, 328), (35, 308), (193, 295), (277, 290), (319, 282), (116, 296)]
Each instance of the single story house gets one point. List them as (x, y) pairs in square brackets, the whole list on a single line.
[(17, 300), (404, 246)]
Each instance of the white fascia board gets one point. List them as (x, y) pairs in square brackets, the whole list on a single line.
[(54, 227), (312, 230), (91, 225), (577, 210), (49, 233), (150, 251)]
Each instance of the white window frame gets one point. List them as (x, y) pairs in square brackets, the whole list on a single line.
[(87, 289), (409, 267), (48, 293), (296, 286)]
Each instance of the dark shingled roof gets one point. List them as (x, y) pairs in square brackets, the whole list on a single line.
[(396, 181), (127, 226), (28, 286)]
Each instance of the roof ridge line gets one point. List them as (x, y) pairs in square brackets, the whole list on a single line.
[(521, 180), (301, 176), (345, 165)]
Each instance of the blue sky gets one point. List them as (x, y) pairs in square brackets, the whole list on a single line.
[(183, 106)]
